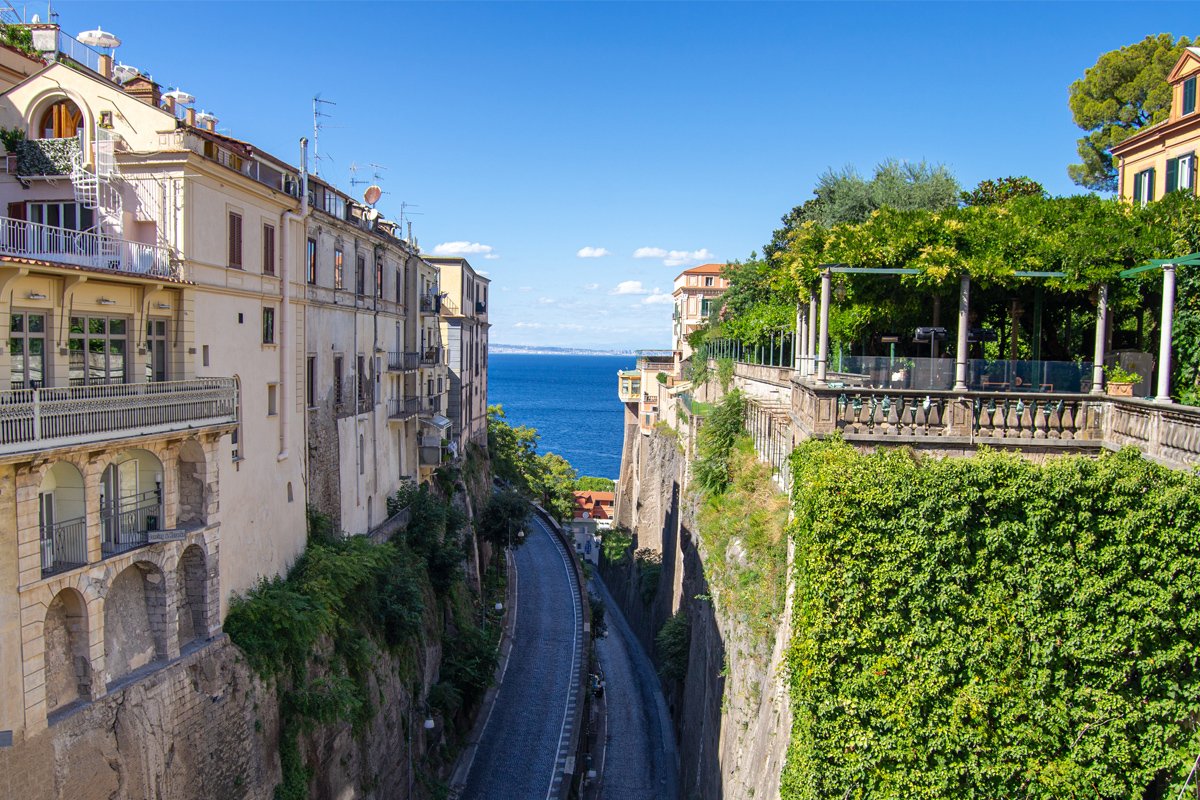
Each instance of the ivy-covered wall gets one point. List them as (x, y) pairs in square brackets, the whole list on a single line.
[(990, 628)]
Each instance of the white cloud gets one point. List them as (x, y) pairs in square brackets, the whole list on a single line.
[(630, 287), (592, 252), (658, 296), (591, 287), (675, 258), (464, 249), (490, 256), (547, 301), (529, 325), (649, 252)]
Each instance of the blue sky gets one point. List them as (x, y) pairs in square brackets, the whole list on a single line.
[(662, 133)]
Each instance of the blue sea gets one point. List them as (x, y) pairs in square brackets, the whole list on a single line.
[(571, 400)]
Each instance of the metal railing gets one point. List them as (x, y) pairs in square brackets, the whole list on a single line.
[(127, 522), (64, 546), (403, 362), (401, 408), (480, 307), (431, 303), (35, 419), (84, 249), (432, 356), (78, 52), (938, 374), (449, 307)]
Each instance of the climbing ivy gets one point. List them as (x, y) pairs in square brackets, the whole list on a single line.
[(991, 628)]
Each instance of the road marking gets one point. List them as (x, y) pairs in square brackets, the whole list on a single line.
[(557, 776)]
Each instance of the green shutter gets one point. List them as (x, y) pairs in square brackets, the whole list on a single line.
[(1137, 187), (1189, 96), (1150, 185), (1172, 174)]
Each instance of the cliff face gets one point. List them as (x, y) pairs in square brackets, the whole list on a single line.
[(730, 712)]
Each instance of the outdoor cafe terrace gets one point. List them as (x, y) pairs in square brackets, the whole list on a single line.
[(950, 401)]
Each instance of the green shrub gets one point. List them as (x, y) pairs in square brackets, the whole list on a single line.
[(725, 373), (614, 545), (987, 627), (672, 643), (588, 483), (715, 442), (649, 570)]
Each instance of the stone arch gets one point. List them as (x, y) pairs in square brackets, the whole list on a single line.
[(62, 119), (191, 592), (192, 495), (41, 106), (67, 664), (135, 620), (62, 523), (131, 500)]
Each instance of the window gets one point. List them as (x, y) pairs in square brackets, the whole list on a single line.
[(71, 216), (360, 274), (156, 350), (1143, 186), (379, 277), (272, 399), (361, 383), (268, 250), (27, 346), (708, 280), (1189, 96), (204, 355), (312, 261), (338, 372), (310, 382), (235, 240), (362, 456), (61, 121), (268, 325), (399, 286), (97, 350), (1181, 173), (339, 268)]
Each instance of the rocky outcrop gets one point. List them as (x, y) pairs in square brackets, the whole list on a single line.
[(731, 712)]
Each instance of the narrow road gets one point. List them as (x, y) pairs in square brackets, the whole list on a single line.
[(639, 761), (522, 750)]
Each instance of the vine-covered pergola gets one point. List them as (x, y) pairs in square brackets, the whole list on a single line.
[(812, 323)]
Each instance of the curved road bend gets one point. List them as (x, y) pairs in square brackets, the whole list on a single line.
[(639, 761), (521, 752)]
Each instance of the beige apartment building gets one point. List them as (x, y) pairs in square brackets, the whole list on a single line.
[(695, 291), (374, 368), (465, 331), (151, 436)]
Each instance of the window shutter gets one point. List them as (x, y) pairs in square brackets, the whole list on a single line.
[(268, 265), (1189, 96), (16, 211), (1137, 187), (1172, 174), (1150, 185), (235, 240)]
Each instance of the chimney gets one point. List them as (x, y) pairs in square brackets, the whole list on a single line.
[(189, 116), (211, 124), (145, 90), (169, 105), (105, 67)]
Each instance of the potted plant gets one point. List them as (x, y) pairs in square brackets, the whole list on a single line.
[(12, 139), (1118, 382)]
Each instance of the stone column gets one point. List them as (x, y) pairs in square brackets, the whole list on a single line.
[(1101, 327), (1163, 395), (798, 340), (810, 349), (960, 355), (823, 352)]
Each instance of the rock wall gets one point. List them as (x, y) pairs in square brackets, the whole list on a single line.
[(731, 713)]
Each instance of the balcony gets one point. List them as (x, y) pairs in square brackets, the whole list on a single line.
[(353, 396), (432, 451), (402, 408), (38, 419), (431, 405), (480, 307), (431, 303), (433, 356), (23, 239), (403, 362), (449, 308), (63, 545), (127, 522)]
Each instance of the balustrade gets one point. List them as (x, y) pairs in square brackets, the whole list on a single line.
[(64, 546), (89, 249), (34, 419)]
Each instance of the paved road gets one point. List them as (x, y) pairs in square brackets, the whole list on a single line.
[(520, 754), (639, 761)]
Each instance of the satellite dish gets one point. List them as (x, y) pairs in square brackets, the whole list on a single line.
[(99, 38), (372, 194), (372, 215)]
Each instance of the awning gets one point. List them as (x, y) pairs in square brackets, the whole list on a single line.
[(438, 421)]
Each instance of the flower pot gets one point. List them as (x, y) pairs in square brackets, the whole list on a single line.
[(1119, 389)]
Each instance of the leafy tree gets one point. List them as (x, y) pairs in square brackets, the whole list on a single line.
[(1123, 92), (672, 642), (715, 443), (506, 513), (588, 483), (514, 452), (1000, 190), (556, 486)]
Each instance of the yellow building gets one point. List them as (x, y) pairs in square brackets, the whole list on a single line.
[(1162, 158), (464, 328)]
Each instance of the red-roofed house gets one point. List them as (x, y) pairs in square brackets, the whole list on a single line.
[(695, 291), (593, 512)]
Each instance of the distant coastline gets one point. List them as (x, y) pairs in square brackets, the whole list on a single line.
[(546, 350)]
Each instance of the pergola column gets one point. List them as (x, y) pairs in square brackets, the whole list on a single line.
[(823, 351), (1101, 327), (798, 340), (811, 329), (1163, 395), (960, 355)]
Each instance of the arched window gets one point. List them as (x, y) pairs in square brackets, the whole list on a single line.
[(61, 121)]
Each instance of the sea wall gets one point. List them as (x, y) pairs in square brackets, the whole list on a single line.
[(730, 713)]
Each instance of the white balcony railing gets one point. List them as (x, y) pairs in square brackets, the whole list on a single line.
[(85, 249), (34, 419)]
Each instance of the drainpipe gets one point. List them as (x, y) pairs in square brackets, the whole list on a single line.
[(285, 303), (1163, 394)]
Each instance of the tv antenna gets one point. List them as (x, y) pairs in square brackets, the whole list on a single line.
[(376, 177), (318, 125)]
